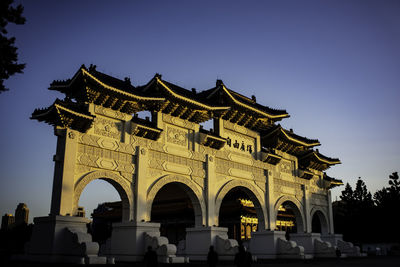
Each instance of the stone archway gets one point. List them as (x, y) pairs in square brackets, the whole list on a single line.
[(295, 205), (189, 187), (122, 186), (319, 221), (252, 193)]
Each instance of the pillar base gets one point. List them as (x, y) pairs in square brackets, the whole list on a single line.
[(64, 239), (199, 240), (313, 244), (127, 242), (273, 245)]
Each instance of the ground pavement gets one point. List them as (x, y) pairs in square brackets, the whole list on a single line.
[(382, 261)]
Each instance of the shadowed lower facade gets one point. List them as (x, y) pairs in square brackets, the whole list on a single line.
[(183, 188)]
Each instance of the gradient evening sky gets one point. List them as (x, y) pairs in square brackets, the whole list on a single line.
[(333, 65)]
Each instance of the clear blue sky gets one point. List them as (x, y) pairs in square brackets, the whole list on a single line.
[(333, 65)]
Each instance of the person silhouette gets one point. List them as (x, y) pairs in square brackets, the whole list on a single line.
[(212, 257), (248, 258), (240, 257), (150, 257)]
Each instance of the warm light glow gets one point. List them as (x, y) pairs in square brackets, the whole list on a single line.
[(285, 223), (281, 208), (246, 203), (250, 220)]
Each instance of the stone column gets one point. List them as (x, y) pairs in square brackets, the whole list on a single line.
[(306, 210), (140, 195), (211, 217), (269, 202), (331, 229), (62, 199)]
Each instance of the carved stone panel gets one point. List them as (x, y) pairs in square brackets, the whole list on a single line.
[(110, 113), (319, 199), (108, 128), (287, 187), (176, 164), (229, 167), (101, 158), (177, 136)]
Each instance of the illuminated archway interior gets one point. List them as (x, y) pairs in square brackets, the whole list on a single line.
[(238, 214), (286, 219)]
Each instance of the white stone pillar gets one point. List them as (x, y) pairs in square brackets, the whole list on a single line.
[(211, 217), (306, 210), (140, 195), (62, 200), (330, 213), (269, 202)]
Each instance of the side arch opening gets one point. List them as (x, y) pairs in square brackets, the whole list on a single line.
[(289, 217), (319, 223), (108, 195)]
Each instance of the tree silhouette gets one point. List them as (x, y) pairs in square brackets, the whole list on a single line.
[(361, 218), (388, 202), (347, 194), (9, 56), (353, 213)]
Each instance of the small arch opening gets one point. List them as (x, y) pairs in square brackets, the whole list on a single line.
[(286, 219), (289, 218), (319, 223), (100, 202)]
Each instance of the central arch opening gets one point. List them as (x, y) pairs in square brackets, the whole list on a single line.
[(240, 213), (173, 208)]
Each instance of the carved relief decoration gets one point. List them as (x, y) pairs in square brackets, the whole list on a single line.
[(225, 167), (287, 187), (108, 128), (109, 112), (179, 122), (158, 161), (97, 157), (286, 166), (319, 199), (110, 144), (239, 129), (177, 136)]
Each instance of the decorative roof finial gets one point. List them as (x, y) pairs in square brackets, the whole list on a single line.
[(127, 80), (92, 67), (194, 90), (219, 83), (253, 97), (158, 75)]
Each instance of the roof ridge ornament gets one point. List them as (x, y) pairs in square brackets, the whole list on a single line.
[(219, 83), (92, 68), (127, 80)]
